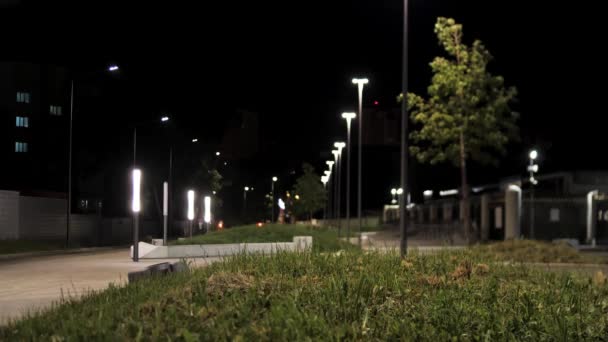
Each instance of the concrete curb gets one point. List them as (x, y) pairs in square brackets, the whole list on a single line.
[(16, 256)]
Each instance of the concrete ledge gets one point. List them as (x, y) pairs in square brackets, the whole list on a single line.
[(148, 251)]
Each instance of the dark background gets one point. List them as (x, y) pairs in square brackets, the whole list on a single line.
[(291, 62)]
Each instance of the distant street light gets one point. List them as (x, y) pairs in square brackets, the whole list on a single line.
[(136, 208), (339, 145), (348, 117), (113, 67), (217, 153), (274, 179), (360, 82), (190, 209), (164, 119), (194, 140), (394, 193), (532, 169)]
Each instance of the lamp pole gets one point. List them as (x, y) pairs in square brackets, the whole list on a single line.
[(348, 117), (360, 82), (274, 179), (532, 168), (404, 133)]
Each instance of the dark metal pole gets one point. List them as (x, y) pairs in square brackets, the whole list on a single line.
[(135, 214), (339, 194), (136, 237), (170, 195), (272, 202), (404, 133), (359, 159), (69, 204)]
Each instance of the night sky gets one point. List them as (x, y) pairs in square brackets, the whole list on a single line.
[(292, 63)]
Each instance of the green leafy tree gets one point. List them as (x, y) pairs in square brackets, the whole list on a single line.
[(466, 115), (308, 195)]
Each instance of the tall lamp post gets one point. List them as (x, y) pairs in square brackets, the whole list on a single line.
[(360, 82), (324, 180), (348, 117), (404, 132), (274, 180), (245, 190), (111, 68), (532, 168), (339, 145)]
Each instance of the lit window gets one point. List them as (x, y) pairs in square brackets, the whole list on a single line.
[(22, 121), (23, 97), (554, 215), (20, 147), (56, 110)]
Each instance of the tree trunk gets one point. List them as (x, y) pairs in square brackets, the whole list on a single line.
[(465, 193)]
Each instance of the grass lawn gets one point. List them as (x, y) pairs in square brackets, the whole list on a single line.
[(337, 296), (534, 251), (323, 239), (22, 246)]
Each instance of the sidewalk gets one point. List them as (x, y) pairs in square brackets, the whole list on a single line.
[(30, 284)]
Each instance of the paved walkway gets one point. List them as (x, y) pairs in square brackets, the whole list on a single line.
[(30, 284)]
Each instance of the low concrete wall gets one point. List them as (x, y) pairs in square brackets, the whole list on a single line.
[(148, 251)]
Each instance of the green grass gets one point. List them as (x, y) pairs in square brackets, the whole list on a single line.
[(534, 251), (337, 296), (323, 239), (22, 246)]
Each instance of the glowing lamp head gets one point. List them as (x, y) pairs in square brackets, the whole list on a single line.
[(113, 67), (136, 200), (349, 116), (194, 140), (360, 81), (281, 204), (400, 191), (207, 216), (274, 179), (190, 205), (164, 119), (330, 163), (246, 188), (533, 154), (393, 192), (339, 145)]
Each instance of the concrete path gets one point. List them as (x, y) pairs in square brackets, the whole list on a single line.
[(31, 284)]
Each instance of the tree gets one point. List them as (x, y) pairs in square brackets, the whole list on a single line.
[(466, 115), (309, 195)]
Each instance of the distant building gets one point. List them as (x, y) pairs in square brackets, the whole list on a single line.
[(34, 127)]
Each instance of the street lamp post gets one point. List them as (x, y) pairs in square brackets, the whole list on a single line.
[(339, 145), (245, 189), (136, 208), (360, 82), (348, 117), (324, 180), (274, 179), (404, 132), (532, 168), (111, 68)]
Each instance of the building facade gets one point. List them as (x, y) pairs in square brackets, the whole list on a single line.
[(34, 124)]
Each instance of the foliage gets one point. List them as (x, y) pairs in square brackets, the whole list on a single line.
[(324, 239), (347, 296), (309, 195), (207, 179), (463, 98)]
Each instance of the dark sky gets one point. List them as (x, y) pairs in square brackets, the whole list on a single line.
[(292, 61)]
